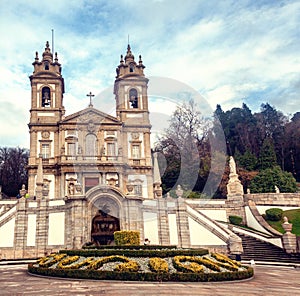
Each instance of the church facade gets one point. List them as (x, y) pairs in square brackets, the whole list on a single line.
[(90, 148), (91, 159)]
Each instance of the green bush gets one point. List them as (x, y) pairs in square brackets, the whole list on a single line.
[(274, 214), (265, 181), (236, 220), (127, 237)]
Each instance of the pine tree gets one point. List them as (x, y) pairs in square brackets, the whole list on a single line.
[(267, 156), (267, 179)]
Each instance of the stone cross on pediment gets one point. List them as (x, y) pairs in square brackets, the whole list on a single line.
[(90, 95)]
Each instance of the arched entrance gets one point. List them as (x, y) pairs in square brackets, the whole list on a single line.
[(103, 228), (105, 210)]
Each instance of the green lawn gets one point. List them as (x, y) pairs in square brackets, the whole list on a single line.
[(293, 217)]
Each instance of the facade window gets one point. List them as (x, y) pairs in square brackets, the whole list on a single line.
[(133, 98), (90, 183), (46, 98), (71, 149), (138, 189), (111, 149), (45, 150), (46, 66), (136, 151), (90, 145)]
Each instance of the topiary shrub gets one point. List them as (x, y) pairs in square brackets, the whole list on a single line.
[(127, 237), (274, 214), (158, 265), (236, 220)]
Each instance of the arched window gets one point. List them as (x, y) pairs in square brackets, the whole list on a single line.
[(46, 66), (46, 97), (131, 68), (133, 98), (90, 145)]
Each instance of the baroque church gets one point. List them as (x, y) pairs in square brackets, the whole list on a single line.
[(91, 155), (90, 148)]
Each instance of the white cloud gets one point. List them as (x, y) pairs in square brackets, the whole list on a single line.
[(228, 50)]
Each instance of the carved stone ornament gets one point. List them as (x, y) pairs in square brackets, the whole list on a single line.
[(135, 136), (45, 135), (91, 127)]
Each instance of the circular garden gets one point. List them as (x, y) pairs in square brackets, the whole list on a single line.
[(141, 263)]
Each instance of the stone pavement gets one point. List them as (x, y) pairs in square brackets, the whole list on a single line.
[(268, 280)]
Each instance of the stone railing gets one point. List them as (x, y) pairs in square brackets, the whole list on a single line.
[(88, 158), (276, 199)]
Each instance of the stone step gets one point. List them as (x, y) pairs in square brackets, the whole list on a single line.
[(260, 250)]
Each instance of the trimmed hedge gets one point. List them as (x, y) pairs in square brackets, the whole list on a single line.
[(139, 247), (127, 237), (138, 276), (158, 265), (225, 259), (135, 253), (188, 263), (235, 220), (274, 214)]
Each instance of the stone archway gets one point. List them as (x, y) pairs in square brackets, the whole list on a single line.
[(105, 214)]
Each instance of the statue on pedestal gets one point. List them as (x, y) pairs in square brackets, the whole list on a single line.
[(232, 165)]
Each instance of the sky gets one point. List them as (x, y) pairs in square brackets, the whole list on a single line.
[(230, 52)]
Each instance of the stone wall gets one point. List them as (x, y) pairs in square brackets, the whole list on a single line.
[(275, 199)]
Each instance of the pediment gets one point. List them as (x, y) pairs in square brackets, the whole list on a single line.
[(90, 115)]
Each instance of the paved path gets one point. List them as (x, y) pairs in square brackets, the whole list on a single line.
[(268, 280)]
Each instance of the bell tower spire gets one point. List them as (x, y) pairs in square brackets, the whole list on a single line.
[(47, 110), (131, 87), (131, 96)]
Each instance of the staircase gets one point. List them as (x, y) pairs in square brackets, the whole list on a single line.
[(263, 251)]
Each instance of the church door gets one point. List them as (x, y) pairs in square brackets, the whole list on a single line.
[(103, 228)]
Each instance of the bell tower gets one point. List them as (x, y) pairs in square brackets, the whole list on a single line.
[(47, 110), (131, 91), (131, 96), (47, 89)]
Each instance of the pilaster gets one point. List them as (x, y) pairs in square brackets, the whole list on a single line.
[(42, 227), (163, 223), (20, 228), (182, 224)]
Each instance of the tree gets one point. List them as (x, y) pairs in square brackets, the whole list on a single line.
[(247, 161), (266, 180), (292, 146), (13, 173), (271, 124), (240, 128), (183, 144), (267, 156)]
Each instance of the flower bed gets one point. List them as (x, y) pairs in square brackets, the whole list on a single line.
[(178, 267), (141, 252)]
